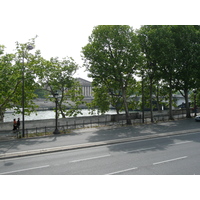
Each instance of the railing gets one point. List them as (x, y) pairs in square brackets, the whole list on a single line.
[(68, 127), (44, 131)]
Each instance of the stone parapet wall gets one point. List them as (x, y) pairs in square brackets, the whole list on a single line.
[(61, 122)]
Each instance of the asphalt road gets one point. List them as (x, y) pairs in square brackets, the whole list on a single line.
[(171, 155)]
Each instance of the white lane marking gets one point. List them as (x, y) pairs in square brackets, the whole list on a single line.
[(140, 150), (165, 161), (180, 143), (21, 170), (91, 158), (125, 170)]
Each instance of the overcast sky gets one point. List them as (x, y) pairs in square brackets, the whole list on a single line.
[(63, 26)]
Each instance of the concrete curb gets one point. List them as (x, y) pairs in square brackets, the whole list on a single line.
[(93, 144)]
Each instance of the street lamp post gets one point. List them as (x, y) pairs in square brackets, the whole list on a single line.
[(56, 101), (29, 47)]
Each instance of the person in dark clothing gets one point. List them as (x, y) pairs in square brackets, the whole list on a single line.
[(18, 123), (14, 124)]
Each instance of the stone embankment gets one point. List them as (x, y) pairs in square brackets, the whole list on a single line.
[(69, 121), (6, 126)]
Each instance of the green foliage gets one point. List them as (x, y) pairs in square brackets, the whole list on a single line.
[(50, 75), (167, 57), (41, 93), (9, 82), (12, 67), (56, 76), (112, 57), (174, 54), (112, 54), (101, 100)]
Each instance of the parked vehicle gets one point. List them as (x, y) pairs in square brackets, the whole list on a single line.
[(197, 118)]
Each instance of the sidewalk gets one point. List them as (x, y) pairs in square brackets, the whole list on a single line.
[(90, 137), (6, 135)]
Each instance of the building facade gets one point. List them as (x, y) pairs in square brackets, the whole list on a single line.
[(86, 88)]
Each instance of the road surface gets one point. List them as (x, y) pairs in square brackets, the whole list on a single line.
[(170, 155)]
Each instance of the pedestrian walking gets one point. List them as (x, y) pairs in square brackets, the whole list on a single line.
[(14, 124), (18, 123)]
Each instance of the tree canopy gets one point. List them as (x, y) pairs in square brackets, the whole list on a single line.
[(12, 69), (175, 52), (167, 54), (166, 57), (38, 73), (112, 57), (57, 75)]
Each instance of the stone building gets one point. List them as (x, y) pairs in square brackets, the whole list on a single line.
[(86, 88)]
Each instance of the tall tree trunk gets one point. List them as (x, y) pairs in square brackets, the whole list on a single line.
[(187, 104), (61, 110), (151, 106), (170, 101), (117, 118), (128, 119), (142, 98), (157, 99), (1, 114)]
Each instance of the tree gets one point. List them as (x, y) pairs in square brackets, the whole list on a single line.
[(150, 69), (175, 50), (11, 68), (112, 57), (101, 100), (187, 45), (56, 75), (8, 83), (160, 50), (104, 97)]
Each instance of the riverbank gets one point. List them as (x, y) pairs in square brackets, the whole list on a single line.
[(65, 126), (30, 124), (46, 122)]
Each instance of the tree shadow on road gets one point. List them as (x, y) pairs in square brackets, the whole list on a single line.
[(32, 143), (188, 125)]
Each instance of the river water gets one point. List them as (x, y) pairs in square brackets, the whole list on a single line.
[(48, 114)]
